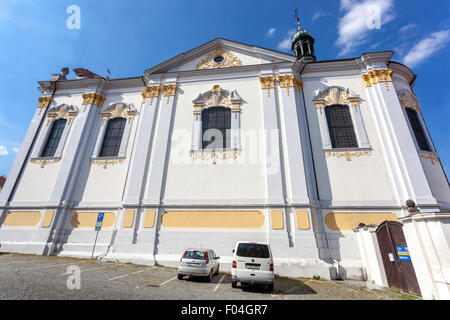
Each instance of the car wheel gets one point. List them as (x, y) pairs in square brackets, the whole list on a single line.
[(233, 284), (217, 271), (270, 287), (180, 277), (209, 278)]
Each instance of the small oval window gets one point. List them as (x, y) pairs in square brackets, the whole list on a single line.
[(219, 58)]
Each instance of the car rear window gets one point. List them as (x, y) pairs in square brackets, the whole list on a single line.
[(199, 255), (253, 250)]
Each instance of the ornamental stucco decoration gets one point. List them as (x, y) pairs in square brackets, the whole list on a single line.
[(348, 154), (335, 95), (106, 162), (151, 92), (230, 60), (377, 76), (267, 82), (433, 157), (93, 98), (44, 162), (290, 80), (62, 111), (122, 110), (44, 102), (217, 97), (409, 100)]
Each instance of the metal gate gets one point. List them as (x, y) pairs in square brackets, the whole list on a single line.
[(400, 272)]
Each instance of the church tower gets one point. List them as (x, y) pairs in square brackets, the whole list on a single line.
[(303, 44)]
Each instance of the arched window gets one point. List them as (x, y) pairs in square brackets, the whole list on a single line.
[(113, 137), (340, 125), (53, 138), (419, 133), (216, 126)]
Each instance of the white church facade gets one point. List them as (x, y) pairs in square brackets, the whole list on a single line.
[(230, 142)]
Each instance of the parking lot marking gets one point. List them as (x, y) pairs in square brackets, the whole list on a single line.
[(113, 265), (160, 285), (218, 284), (292, 289), (130, 274), (45, 267), (4, 264)]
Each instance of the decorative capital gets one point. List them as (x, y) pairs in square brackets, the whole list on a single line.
[(151, 92), (377, 76), (267, 82), (93, 98), (169, 90), (44, 102), (290, 80)]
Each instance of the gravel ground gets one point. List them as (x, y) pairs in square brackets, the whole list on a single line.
[(33, 277)]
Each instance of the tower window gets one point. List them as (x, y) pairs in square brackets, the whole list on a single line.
[(53, 138), (216, 125), (113, 137), (418, 130), (340, 125)]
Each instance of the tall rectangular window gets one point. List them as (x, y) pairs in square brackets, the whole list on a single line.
[(419, 133), (53, 138), (113, 137), (216, 125), (340, 125)]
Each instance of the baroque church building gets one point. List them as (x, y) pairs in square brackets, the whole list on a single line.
[(328, 161)]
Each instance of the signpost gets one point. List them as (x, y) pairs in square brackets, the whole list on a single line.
[(403, 254), (98, 227)]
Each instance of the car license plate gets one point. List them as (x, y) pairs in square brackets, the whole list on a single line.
[(252, 266), (194, 264)]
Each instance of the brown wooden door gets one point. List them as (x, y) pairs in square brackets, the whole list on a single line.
[(400, 274)]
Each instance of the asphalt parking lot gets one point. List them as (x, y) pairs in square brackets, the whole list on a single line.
[(41, 277)]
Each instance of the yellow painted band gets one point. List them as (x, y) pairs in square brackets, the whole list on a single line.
[(48, 218), (351, 220), (302, 219), (213, 219), (22, 218), (276, 217), (89, 219), (128, 219), (149, 220)]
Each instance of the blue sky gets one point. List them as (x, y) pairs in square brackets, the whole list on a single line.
[(130, 36)]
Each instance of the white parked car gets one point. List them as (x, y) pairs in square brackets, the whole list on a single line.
[(252, 264), (198, 263)]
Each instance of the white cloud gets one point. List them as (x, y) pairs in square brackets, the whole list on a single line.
[(408, 27), (426, 48), (15, 149), (286, 44), (3, 150), (320, 14), (271, 32), (360, 17)]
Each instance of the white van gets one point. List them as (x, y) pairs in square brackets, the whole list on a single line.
[(252, 264)]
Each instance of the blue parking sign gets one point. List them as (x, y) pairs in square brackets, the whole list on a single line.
[(100, 217), (403, 254)]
